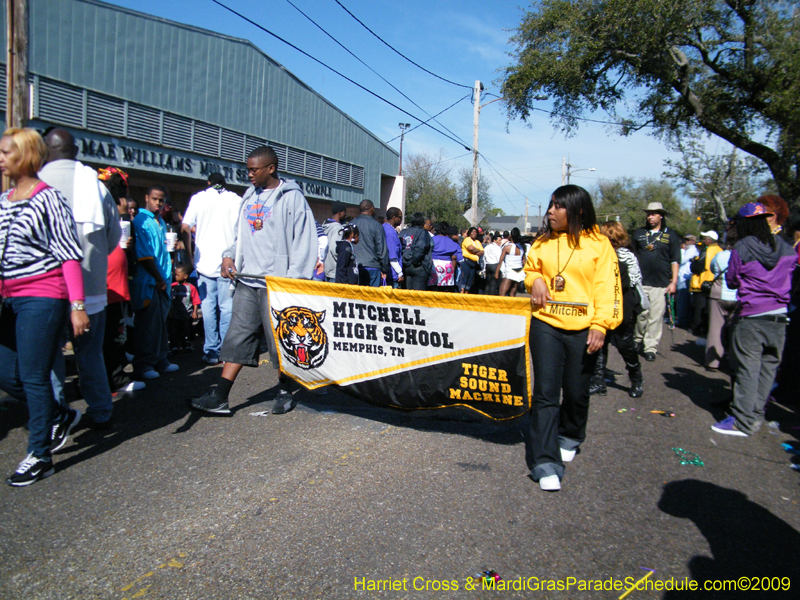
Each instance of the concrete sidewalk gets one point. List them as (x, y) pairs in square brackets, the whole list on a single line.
[(337, 496)]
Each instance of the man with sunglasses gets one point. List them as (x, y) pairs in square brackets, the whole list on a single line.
[(276, 235)]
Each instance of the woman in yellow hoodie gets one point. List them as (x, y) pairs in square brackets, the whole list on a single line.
[(572, 275)]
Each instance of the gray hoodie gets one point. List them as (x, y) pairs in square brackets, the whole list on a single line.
[(285, 246)]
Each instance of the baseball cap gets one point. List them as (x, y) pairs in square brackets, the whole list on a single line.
[(753, 209), (338, 207), (712, 234)]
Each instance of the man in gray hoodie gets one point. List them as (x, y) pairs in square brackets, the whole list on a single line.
[(276, 235), (97, 221)]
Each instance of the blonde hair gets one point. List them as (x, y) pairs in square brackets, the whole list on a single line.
[(30, 145)]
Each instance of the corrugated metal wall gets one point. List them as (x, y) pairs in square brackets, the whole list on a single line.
[(198, 74)]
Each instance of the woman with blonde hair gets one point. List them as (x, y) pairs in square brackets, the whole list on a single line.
[(622, 336), (40, 281), (572, 275)]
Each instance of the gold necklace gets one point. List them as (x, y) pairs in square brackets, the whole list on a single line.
[(558, 282), (30, 189)]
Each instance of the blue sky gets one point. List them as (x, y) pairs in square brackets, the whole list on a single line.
[(461, 41)]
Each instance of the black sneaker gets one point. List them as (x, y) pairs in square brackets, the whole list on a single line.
[(650, 356), (104, 426), (284, 403), (61, 429), (211, 404), (30, 471)]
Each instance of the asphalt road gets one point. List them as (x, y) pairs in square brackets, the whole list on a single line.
[(339, 499)]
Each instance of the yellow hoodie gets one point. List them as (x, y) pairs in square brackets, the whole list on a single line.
[(591, 277)]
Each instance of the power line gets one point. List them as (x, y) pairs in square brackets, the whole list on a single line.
[(431, 119), (507, 181), (342, 75), (555, 114), (469, 87), (346, 49)]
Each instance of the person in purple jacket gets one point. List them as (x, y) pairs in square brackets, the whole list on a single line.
[(394, 217), (760, 268), (446, 255)]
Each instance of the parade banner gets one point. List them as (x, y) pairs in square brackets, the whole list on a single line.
[(405, 349)]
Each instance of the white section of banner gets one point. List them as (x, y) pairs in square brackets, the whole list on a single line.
[(326, 339)]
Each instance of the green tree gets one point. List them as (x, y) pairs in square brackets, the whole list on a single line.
[(485, 203), (624, 200), (429, 189), (730, 67), (719, 184)]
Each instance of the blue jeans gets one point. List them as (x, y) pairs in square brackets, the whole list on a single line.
[(560, 364), (369, 277), (468, 270), (30, 332), (91, 371), (217, 303), (150, 335)]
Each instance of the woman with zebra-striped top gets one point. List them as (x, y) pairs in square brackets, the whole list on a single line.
[(40, 275), (622, 336)]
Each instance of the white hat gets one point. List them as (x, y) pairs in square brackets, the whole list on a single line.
[(712, 234)]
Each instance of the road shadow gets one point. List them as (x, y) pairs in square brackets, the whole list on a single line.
[(453, 421), (162, 403), (708, 393), (745, 539), (691, 350)]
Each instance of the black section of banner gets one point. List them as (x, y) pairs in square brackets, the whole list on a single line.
[(493, 383)]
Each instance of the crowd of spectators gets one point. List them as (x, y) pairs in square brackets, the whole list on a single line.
[(127, 283)]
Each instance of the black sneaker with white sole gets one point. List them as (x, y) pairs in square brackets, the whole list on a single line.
[(31, 470), (210, 403), (62, 428), (284, 403)]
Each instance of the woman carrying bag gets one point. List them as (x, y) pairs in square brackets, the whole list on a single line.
[(572, 275)]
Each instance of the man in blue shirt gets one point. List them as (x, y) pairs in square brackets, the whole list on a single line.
[(150, 289)]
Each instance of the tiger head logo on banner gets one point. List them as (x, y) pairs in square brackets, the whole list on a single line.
[(304, 342)]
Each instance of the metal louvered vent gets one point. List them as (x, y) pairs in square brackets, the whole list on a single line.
[(251, 143), (3, 86), (206, 139), (144, 124), (232, 146), (60, 103), (328, 169), (343, 174), (313, 165), (177, 132), (296, 161), (280, 150), (105, 114), (357, 179)]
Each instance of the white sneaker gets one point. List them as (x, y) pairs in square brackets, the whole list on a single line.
[(171, 367), (567, 455), (151, 374), (133, 386), (551, 483)]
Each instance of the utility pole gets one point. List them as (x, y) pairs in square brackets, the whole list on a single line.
[(403, 127), (563, 170), (16, 66), (526, 215), (475, 123)]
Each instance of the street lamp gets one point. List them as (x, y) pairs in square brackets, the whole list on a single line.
[(567, 170), (403, 127)]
